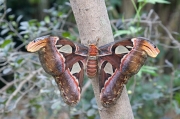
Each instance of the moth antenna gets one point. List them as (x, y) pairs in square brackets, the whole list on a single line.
[(88, 42), (97, 41)]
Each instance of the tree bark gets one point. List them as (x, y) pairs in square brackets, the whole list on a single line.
[(93, 23), (43, 4), (128, 12)]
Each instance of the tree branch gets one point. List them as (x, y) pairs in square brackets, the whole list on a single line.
[(93, 23), (21, 85)]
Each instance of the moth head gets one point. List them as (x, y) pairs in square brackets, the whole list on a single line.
[(93, 46), (146, 45), (93, 50), (40, 42)]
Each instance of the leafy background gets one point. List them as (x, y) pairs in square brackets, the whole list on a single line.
[(27, 92)]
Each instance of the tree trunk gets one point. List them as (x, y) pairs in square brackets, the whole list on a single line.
[(43, 4), (93, 23), (128, 12)]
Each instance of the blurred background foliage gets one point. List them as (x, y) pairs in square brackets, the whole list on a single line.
[(27, 92)]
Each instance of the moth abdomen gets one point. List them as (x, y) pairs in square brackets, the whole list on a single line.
[(92, 66)]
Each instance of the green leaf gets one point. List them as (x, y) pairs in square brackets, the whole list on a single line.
[(148, 69), (121, 32), (11, 17), (91, 112), (155, 1), (24, 25), (4, 31), (152, 96), (177, 98), (60, 14), (66, 34), (19, 61), (14, 23), (47, 19), (7, 70), (134, 30), (33, 23), (131, 30), (19, 18), (177, 109), (5, 43), (56, 105)]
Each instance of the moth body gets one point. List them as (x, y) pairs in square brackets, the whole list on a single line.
[(92, 63)]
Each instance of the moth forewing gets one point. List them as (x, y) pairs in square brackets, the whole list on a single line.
[(64, 49), (121, 49)]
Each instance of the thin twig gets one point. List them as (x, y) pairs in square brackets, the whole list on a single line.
[(8, 85), (21, 84), (85, 87), (174, 41)]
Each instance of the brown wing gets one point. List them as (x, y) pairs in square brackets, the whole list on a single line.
[(66, 67), (117, 67)]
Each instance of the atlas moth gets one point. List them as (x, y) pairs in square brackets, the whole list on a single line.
[(112, 66)]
